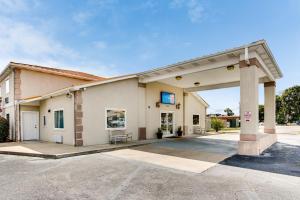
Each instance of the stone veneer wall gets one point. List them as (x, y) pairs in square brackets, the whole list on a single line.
[(78, 114)]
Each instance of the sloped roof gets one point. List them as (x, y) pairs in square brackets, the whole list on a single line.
[(54, 71), (199, 98)]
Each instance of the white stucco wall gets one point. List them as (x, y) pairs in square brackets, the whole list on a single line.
[(142, 106), (37, 83), (47, 132), (193, 107), (122, 95), (153, 113), (8, 108)]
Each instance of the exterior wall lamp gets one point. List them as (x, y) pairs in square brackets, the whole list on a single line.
[(157, 104), (196, 83), (230, 67), (178, 78), (178, 106)]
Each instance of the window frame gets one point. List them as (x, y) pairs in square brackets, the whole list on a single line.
[(56, 110), (125, 116), (7, 86), (198, 120), (44, 121)]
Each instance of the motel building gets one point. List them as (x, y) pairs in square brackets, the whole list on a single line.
[(78, 109)]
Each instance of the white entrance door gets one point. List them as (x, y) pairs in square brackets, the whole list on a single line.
[(167, 123), (30, 125)]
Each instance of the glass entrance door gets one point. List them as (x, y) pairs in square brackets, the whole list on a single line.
[(167, 123)]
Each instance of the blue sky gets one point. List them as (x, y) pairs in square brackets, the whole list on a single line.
[(114, 37)]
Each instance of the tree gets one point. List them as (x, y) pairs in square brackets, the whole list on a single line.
[(290, 101), (217, 124), (261, 113), (280, 117), (229, 112), (4, 129)]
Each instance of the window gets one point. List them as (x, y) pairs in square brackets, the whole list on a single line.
[(7, 86), (44, 120), (115, 119), (196, 120), (58, 119)]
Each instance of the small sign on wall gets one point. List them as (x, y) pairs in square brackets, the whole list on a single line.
[(247, 116)]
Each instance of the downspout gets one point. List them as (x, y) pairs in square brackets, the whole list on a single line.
[(74, 111), (19, 123), (183, 110)]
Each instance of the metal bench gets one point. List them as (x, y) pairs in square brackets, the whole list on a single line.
[(119, 135), (199, 130)]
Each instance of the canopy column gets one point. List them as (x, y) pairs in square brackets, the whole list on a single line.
[(269, 107), (251, 141), (249, 101)]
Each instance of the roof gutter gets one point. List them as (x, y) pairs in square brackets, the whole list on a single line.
[(267, 49)]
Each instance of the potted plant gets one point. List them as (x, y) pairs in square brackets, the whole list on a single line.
[(159, 134), (179, 131)]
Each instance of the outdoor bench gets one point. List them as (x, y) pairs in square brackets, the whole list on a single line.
[(119, 135)]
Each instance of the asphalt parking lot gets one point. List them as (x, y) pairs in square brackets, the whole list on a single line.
[(190, 168)]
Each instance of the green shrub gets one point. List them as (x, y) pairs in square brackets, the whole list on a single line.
[(217, 124), (4, 129)]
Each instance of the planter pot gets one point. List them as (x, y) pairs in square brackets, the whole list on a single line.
[(159, 135)]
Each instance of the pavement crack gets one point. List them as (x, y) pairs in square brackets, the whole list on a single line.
[(124, 184)]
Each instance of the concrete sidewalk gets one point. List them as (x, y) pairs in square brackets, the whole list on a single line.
[(55, 151)]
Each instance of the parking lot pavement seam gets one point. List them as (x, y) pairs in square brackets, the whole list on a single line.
[(125, 183)]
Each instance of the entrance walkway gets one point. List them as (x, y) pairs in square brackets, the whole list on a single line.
[(56, 151), (190, 154)]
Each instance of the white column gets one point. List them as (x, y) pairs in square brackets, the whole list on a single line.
[(249, 102), (269, 107)]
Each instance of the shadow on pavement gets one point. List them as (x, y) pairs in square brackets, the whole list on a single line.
[(202, 149), (280, 158)]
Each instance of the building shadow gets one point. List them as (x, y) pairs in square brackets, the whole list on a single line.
[(280, 158)]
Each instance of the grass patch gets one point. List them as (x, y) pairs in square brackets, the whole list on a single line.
[(224, 129)]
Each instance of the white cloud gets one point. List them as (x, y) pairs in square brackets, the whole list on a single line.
[(94, 7), (194, 8), (82, 17), (14, 6), (8, 6), (177, 3), (103, 3), (100, 44), (25, 39), (23, 42)]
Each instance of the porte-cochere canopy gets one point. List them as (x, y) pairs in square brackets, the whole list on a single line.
[(244, 66)]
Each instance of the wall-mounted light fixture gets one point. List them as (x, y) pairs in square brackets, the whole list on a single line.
[(157, 104), (197, 83), (69, 95), (49, 110), (178, 78), (230, 67), (178, 106)]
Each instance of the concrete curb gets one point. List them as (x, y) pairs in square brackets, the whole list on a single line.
[(72, 154)]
